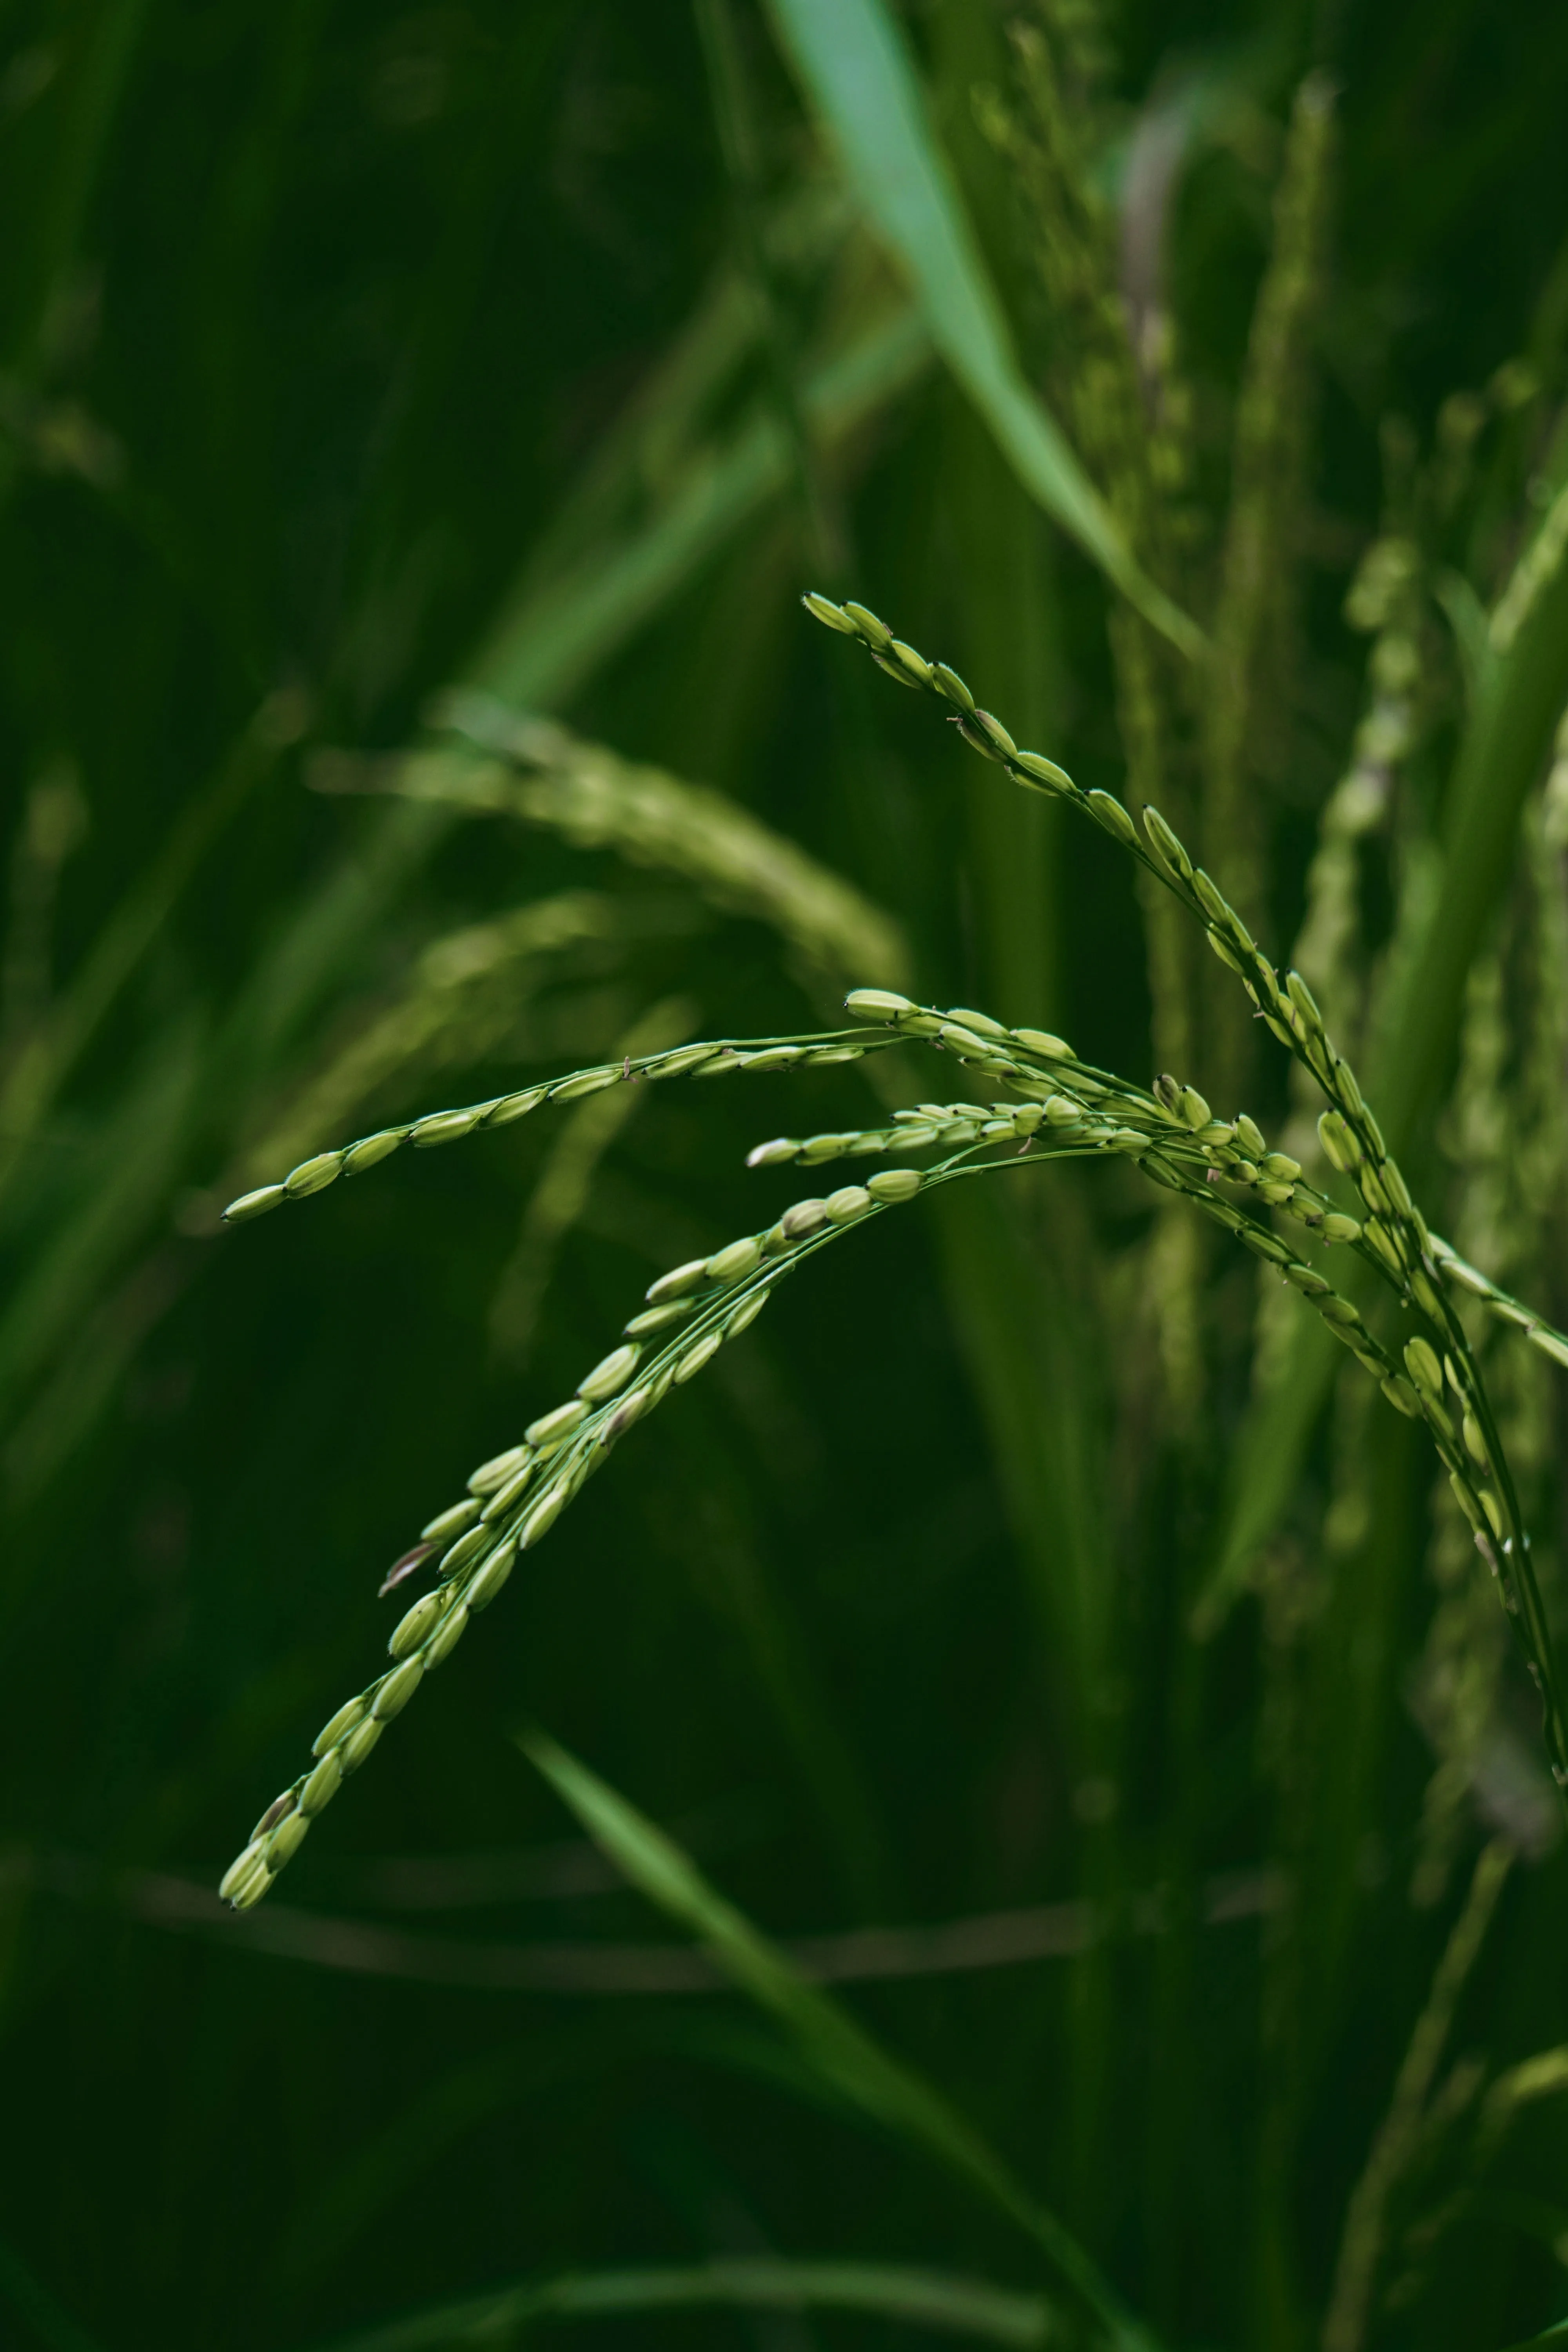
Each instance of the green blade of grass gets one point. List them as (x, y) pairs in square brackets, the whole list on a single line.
[(855, 67), (921, 2298), (828, 2037), (548, 642)]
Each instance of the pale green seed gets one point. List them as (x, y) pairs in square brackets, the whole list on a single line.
[(1467, 1502), (875, 631), (979, 1024), (976, 738), (1062, 1111), (1278, 1196), (549, 1426), (286, 1841), (734, 1262), (1370, 1181), (612, 1373), (1211, 900), (516, 1106), (952, 686), (676, 1282), (1424, 1294), (1045, 771), (996, 734), (410, 1631), (454, 1522), (443, 1126), (1402, 1396), (313, 1175), (275, 1813), (772, 1057), (447, 1637), (397, 1689), (1307, 1279), (1421, 1363), (677, 1065), (1492, 1506), (886, 663), (1336, 1228), (829, 613), (1280, 1166), (1112, 815), (359, 1743), (915, 666), (895, 1183), (249, 1892), (361, 1156), (253, 1204), (1249, 1135), (1340, 1145), (803, 1217), (1028, 1118), (876, 1004), (586, 1082), (352, 1712), (505, 1497), (1475, 1441), (240, 1869), (322, 1785), (1305, 1002), (1225, 951), (1381, 1242), (702, 1353), (961, 1041), (1194, 1108), (1263, 1244), (658, 1319), (746, 1313), (630, 1409), (1397, 1190), (851, 1201), (543, 1517), (499, 1469), (1041, 1042), (467, 1548), (1166, 845), (783, 1148)]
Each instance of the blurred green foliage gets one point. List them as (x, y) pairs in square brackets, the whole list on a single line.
[(348, 357)]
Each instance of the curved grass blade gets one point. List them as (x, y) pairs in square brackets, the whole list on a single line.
[(919, 2298), (835, 2046), (854, 64)]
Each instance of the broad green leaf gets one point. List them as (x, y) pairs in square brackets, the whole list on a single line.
[(856, 70), (828, 2037), (921, 2298)]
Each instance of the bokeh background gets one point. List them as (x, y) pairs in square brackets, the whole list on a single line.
[(350, 356)]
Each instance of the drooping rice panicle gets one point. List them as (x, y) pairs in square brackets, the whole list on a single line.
[(1393, 1230), (718, 1058)]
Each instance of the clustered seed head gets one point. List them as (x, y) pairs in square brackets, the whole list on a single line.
[(516, 1498), (1392, 1235)]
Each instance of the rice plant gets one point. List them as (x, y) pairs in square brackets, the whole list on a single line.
[(1028, 1805)]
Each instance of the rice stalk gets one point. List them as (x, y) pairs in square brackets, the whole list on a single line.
[(1393, 1230), (1362, 2246)]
